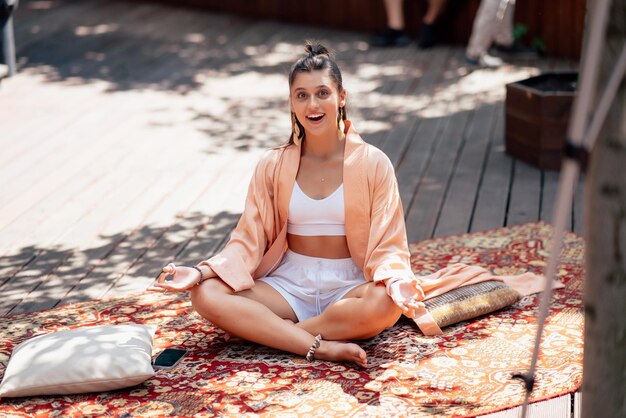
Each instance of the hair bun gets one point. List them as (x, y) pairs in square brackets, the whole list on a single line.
[(315, 49)]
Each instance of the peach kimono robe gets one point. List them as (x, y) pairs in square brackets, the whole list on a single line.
[(375, 228)]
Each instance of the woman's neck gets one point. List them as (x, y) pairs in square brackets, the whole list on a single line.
[(324, 146)]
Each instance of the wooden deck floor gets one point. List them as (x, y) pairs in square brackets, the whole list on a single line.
[(130, 132)]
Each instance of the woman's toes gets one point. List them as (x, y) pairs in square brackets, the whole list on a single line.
[(335, 351)]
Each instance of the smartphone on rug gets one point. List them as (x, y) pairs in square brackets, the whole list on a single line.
[(169, 358)]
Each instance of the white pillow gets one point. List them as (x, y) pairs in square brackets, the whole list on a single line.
[(88, 359)]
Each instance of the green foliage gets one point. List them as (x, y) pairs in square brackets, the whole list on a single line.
[(519, 30), (538, 45)]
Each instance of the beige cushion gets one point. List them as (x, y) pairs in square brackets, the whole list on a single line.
[(88, 359), (470, 301)]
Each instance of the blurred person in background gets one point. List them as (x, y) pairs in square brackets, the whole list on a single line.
[(395, 33), (490, 41), (493, 31)]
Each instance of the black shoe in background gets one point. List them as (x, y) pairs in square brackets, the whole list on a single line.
[(515, 50), (427, 36), (390, 37)]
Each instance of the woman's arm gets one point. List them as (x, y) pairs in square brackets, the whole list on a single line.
[(244, 251), (388, 257), (242, 254)]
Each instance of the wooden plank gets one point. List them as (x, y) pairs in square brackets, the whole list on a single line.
[(206, 224), (101, 280), (30, 278), (172, 60), (121, 160), (37, 129), (508, 413), (49, 140), (23, 191), (11, 265), (105, 249), (72, 221), (550, 186), (83, 262), (73, 200), (456, 213), (417, 81), (424, 209), (101, 113), (35, 21), (374, 105), (418, 153), (417, 158), (525, 194), (65, 284), (578, 405), (493, 194), (552, 408), (88, 33)]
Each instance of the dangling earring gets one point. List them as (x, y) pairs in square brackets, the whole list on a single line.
[(340, 123), (295, 129)]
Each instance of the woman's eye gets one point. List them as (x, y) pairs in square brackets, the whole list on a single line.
[(301, 95), (324, 93)]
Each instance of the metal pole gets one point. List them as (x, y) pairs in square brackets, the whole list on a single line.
[(8, 45), (569, 174)]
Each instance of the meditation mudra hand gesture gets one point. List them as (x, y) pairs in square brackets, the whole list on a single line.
[(320, 254), (183, 278), (405, 294)]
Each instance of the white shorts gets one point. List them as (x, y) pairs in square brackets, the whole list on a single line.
[(311, 284)]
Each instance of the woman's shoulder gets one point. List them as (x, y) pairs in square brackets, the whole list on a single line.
[(376, 157), (367, 151), (271, 157), (269, 164)]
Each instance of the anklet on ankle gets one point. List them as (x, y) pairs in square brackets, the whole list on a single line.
[(314, 346)]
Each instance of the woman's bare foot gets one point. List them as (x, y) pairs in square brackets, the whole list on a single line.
[(336, 351)]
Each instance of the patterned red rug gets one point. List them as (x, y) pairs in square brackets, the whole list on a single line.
[(465, 372)]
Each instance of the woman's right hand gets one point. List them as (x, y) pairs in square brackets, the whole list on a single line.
[(183, 278)]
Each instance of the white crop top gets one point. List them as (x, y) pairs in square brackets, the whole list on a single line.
[(312, 217)]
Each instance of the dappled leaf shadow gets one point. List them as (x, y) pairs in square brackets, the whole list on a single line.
[(230, 71), (126, 262)]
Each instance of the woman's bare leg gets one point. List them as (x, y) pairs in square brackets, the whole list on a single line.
[(364, 312), (257, 315), (395, 14), (435, 9)]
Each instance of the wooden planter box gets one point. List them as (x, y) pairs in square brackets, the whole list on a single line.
[(537, 114)]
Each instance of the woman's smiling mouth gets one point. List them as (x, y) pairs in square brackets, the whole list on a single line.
[(315, 117)]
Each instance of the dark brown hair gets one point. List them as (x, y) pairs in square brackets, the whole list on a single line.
[(318, 58)]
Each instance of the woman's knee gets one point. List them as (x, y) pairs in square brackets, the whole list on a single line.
[(208, 298), (380, 308)]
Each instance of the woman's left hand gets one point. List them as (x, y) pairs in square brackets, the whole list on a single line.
[(183, 278), (405, 294)]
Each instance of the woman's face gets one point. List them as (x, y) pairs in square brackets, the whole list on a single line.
[(315, 99)]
